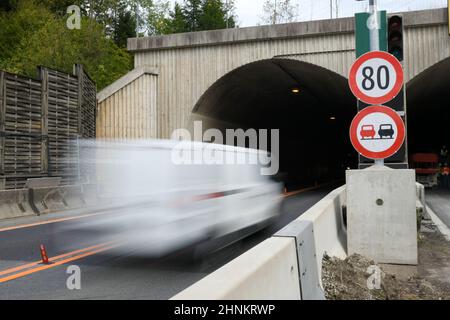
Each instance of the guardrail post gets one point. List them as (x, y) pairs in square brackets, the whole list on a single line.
[(303, 233), (45, 153), (2, 127)]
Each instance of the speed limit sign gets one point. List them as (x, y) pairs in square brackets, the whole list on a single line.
[(376, 77)]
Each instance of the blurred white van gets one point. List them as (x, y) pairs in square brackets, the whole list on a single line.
[(161, 205)]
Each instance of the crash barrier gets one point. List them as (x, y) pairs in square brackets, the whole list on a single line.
[(15, 203), (40, 200), (50, 199), (285, 266), (421, 204), (268, 271)]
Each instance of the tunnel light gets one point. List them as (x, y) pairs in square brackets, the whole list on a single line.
[(295, 90)]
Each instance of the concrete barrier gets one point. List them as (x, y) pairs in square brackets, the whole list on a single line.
[(15, 203), (49, 199), (266, 272), (330, 233), (286, 266), (90, 194), (420, 192), (39, 199)]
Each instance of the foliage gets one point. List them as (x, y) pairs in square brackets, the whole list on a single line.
[(189, 16), (214, 16), (34, 32), (279, 11), (35, 36)]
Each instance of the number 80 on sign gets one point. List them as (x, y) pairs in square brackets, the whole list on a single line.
[(376, 77)]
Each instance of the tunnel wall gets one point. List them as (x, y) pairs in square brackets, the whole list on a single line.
[(127, 108), (190, 63), (185, 74)]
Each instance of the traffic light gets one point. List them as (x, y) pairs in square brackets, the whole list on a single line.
[(395, 37)]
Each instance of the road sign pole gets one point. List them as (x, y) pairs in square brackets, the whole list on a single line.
[(375, 41), (375, 26)]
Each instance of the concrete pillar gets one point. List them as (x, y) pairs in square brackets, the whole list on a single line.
[(381, 215)]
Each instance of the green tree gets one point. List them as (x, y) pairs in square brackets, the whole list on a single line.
[(199, 15), (6, 5), (158, 17), (177, 22), (19, 23), (122, 24), (279, 11), (192, 10), (214, 15), (40, 37), (60, 6)]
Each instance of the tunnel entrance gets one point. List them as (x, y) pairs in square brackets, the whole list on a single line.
[(311, 106), (428, 96)]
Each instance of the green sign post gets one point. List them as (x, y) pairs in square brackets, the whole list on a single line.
[(363, 24)]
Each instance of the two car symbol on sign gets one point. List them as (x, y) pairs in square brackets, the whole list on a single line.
[(385, 131)]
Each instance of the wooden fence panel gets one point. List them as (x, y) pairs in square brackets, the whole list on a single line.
[(40, 125)]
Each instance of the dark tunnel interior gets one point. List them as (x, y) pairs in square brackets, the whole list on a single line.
[(313, 108), (313, 122), (428, 109)]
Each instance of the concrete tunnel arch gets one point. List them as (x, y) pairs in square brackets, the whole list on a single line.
[(428, 109), (313, 123)]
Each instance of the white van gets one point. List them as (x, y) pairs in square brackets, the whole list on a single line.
[(158, 202)]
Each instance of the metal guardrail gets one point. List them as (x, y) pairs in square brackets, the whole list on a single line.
[(303, 233)]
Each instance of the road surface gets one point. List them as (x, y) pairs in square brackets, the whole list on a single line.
[(109, 275), (439, 202)]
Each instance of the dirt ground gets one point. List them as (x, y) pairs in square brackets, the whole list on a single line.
[(348, 279)]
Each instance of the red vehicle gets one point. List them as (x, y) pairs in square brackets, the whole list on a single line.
[(427, 168), (368, 131)]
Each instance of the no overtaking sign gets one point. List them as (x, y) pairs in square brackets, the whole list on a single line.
[(377, 132)]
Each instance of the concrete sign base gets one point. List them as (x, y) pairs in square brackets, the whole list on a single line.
[(381, 215)]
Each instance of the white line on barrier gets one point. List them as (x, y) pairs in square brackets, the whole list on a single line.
[(438, 222)]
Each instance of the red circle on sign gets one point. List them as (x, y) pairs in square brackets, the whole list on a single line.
[(395, 89), (398, 140)]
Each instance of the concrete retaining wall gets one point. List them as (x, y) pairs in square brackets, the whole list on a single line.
[(42, 200), (267, 272), (15, 203), (420, 192), (275, 268), (330, 234)]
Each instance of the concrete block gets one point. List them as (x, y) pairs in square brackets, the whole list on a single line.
[(381, 215), (47, 199), (14, 203), (50, 199), (420, 191), (268, 271), (90, 194), (73, 196), (303, 233)]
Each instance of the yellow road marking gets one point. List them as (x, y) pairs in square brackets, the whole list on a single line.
[(48, 222), (32, 264), (57, 263)]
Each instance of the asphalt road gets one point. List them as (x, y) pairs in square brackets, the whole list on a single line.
[(439, 201), (109, 275)]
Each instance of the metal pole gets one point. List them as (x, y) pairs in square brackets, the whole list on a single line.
[(137, 19), (374, 41), (374, 33), (275, 13), (226, 16), (331, 9)]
